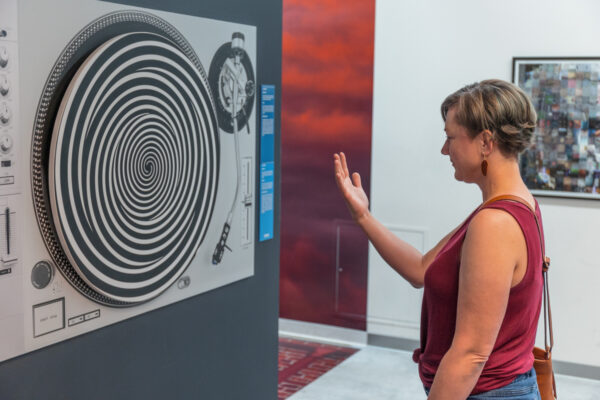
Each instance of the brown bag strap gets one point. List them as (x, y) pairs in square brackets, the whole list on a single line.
[(545, 267)]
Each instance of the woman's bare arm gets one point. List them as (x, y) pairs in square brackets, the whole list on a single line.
[(410, 263)]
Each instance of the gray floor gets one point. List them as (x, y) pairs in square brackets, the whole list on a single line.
[(386, 374)]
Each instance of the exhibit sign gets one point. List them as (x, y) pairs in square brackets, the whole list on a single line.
[(267, 161)]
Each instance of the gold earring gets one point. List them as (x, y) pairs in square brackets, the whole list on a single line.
[(484, 165)]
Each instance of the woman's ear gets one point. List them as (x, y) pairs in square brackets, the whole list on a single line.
[(487, 141)]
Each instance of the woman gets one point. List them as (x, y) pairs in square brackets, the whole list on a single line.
[(483, 281)]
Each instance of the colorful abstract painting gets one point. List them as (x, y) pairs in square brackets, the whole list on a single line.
[(564, 159)]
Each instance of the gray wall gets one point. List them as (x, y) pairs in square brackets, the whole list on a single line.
[(218, 345)]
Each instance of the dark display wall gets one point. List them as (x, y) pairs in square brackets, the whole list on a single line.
[(327, 90), (218, 345)]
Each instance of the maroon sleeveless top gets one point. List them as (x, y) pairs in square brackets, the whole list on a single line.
[(512, 352)]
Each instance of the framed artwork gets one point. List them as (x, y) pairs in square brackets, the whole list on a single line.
[(564, 158)]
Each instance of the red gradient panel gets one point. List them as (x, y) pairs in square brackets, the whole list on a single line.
[(327, 86)]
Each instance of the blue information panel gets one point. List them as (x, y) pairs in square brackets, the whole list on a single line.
[(267, 161)]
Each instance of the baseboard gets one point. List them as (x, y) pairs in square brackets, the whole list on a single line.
[(392, 342), (322, 333), (560, 367), (574, 369)]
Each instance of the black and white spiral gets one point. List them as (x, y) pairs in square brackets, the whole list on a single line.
[(133, 167)]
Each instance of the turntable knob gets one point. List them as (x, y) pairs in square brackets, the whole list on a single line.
[(6, 143), (4, 114), (42, 274), (4, 86), (3, 57)]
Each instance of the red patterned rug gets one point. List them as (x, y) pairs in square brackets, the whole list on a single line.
[(302, 362)]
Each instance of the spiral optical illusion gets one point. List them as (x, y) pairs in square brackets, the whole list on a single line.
[(133, 166)]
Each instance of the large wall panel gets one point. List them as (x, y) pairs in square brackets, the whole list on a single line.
[(221, 344), (327, 81)]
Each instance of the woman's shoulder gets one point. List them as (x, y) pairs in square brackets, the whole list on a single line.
[(493, 219), (493, 232)]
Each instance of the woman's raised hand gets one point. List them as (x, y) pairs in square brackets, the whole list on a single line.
[(351, 189)]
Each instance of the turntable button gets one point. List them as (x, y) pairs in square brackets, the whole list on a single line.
[(7, 180), (92, 315), (48, 317), (75, 320)]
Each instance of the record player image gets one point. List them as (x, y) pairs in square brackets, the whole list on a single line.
[(132, 157)]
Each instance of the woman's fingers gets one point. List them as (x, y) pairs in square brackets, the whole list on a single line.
[(341, 171), (337, 165), (338, 179), (340, 184), (356, 179), (344, 164), (341, 174)]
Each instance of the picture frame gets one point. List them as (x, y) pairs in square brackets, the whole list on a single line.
[(564, 157)]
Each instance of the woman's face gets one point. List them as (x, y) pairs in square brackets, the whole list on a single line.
[(465, 153)]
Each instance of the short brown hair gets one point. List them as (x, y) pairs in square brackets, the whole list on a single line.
[(496, 105)]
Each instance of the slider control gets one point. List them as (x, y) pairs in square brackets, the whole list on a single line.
[(7, 216)]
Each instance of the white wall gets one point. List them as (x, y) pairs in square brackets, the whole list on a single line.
[(425, 50)]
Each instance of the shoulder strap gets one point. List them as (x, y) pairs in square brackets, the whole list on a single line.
[(545, 267), (511, 198)]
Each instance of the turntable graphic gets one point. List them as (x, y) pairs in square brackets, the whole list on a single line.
[(141, 174)]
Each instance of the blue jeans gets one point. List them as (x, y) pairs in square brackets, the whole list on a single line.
[(524, 387)]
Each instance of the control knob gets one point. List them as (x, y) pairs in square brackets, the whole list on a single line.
[(4, 86), (4, 114), (3, 57), (6, 143), (42, 274)]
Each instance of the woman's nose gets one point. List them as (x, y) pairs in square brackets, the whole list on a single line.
[(445, 148)]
